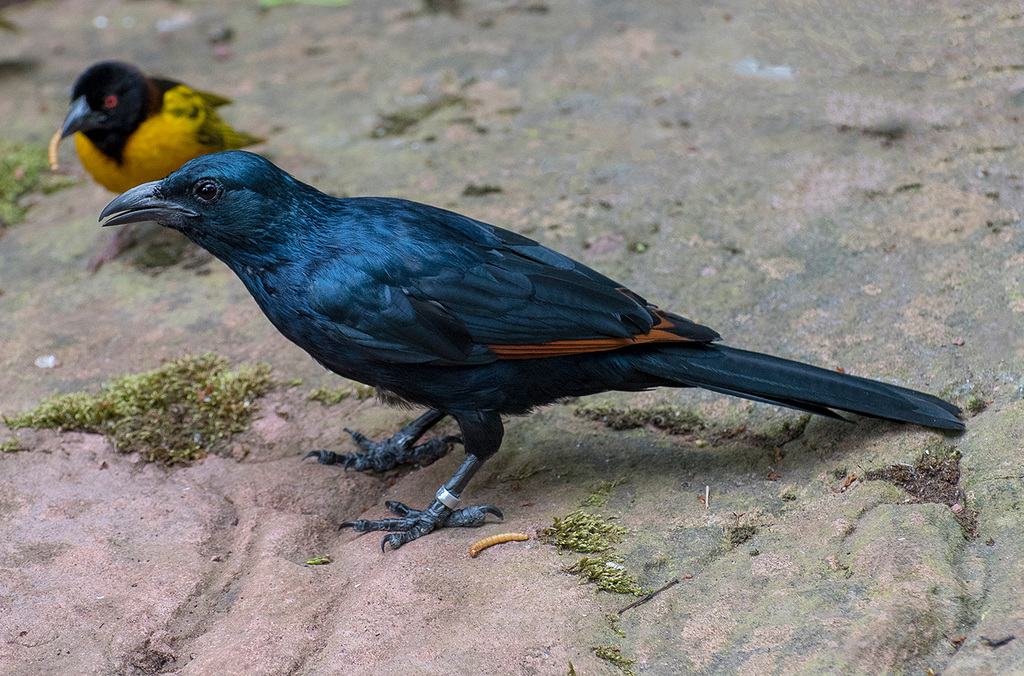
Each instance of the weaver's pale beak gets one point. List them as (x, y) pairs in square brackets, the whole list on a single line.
[(81, 117)]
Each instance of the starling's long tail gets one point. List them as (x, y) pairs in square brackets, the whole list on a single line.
[(773, 380)]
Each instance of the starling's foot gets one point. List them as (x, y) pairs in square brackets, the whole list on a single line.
[(380, 456), (415, 523)]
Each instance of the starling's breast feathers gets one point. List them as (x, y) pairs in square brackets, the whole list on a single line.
[(186, 127)]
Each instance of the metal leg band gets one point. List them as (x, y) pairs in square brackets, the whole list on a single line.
[(447, 498)]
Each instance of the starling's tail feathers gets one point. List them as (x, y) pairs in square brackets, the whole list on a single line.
[(779, 381)]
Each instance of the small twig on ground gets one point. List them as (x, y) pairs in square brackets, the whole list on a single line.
[(648, 597)]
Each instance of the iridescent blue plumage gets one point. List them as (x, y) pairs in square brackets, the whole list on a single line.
[(463, 317)]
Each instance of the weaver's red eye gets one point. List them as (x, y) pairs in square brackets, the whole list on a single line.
[(110, 101)]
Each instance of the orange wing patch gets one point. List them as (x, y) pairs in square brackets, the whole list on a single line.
[(660, 333)]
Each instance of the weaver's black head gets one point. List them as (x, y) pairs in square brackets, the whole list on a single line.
[(235, 204), (108, 103)]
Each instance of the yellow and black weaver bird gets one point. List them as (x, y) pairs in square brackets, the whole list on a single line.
[(130, 128)]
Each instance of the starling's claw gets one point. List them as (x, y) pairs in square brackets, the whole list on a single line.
[(415, 523), (490, 509), (325, 457), (399, 509), (361, 440), (400, 448)]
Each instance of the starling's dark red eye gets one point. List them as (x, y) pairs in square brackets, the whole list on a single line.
[(207, 190), (110, 101)]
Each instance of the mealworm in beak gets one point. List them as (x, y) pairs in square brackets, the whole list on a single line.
[(54, 142)]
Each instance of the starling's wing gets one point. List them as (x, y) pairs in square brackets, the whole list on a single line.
[(433, 286)]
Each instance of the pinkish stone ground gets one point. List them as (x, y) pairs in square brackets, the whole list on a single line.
[(839, 184)]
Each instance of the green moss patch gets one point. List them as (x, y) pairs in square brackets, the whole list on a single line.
[(12, 446), (398, 122), (585, 533), (737, 535), (24, 169), (331, 396), (599, 498), (672, 419), (975, 403), (613, 655), (173, 415), (608, 572), (613, 623)]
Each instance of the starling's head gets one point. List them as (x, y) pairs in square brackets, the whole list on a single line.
[(235, 204)]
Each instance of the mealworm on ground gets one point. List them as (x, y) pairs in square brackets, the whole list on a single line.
[(54, 142), (494, 540)]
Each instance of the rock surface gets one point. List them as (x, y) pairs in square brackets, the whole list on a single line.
[(839, 185)]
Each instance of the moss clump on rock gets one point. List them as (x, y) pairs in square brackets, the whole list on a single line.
[(671, 419), (172, 415), (398, 122), (599, 498), (329, 397), (585, 533), (608, 572), (613, 655), (975, 404), (23, 170), (737, 535), (11, 446)]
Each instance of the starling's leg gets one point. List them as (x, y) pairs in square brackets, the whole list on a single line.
[(482, 432), (380, 456)]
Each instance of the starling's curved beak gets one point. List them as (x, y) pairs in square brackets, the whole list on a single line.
[(144, 203), (81, 117)]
